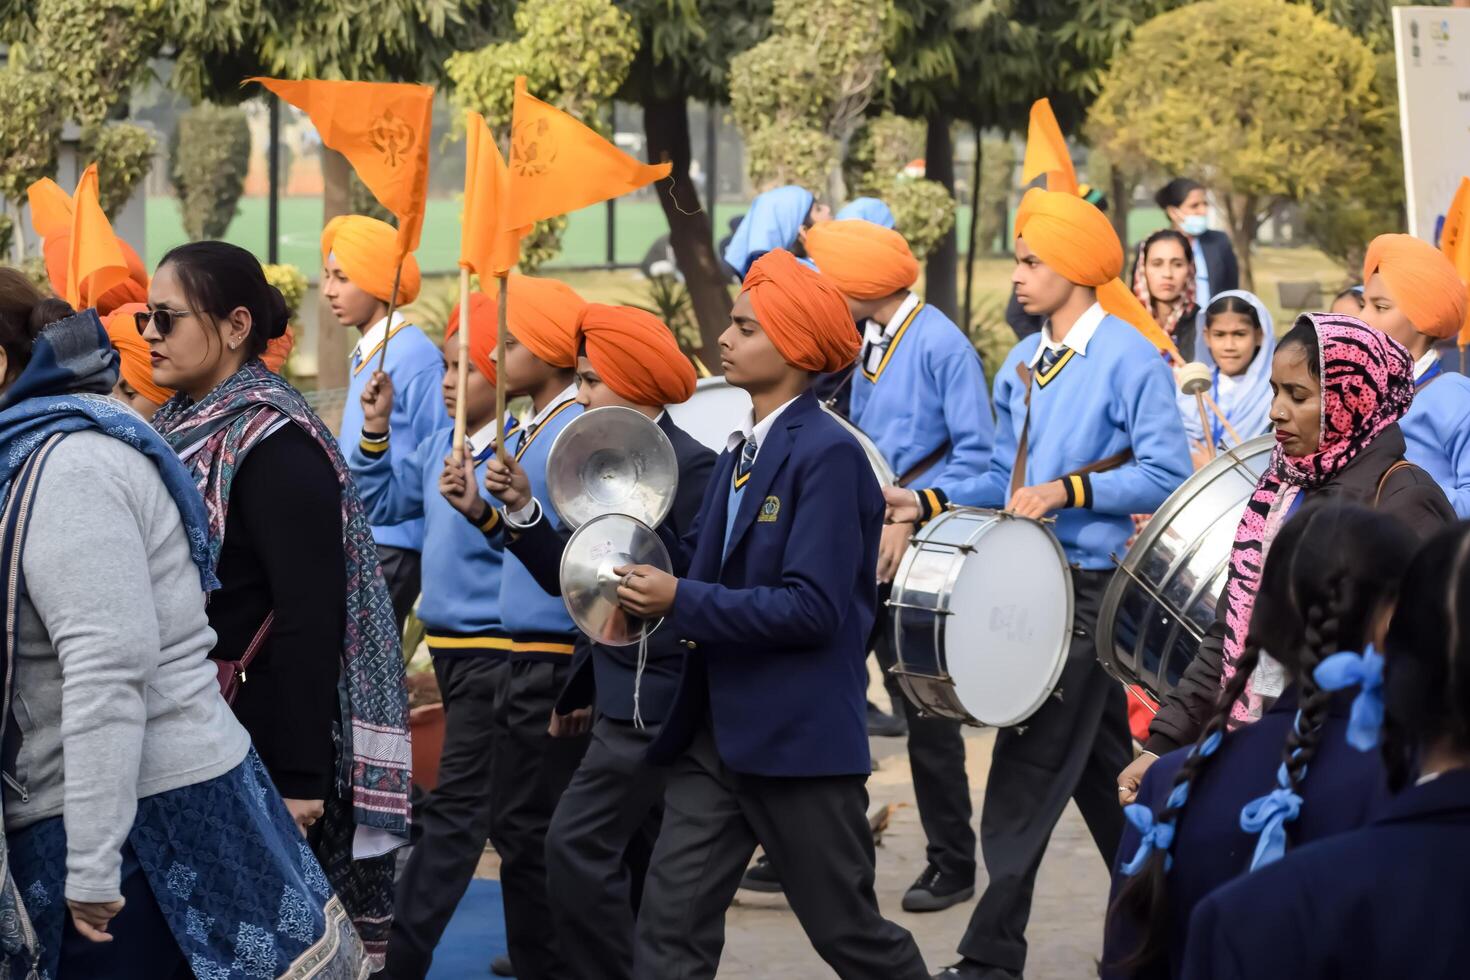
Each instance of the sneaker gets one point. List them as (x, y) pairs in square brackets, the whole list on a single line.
[(501, 967), (884, 725), (761, 877), (935, 891)]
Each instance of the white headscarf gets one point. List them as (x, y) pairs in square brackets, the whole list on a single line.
[(1248, 402)]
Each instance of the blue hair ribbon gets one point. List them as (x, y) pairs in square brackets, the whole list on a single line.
[(1364, 671), (1159, 834), (1268, 815)]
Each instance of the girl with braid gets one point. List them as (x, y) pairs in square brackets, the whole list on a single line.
[(1389, 899), (1231, 802)]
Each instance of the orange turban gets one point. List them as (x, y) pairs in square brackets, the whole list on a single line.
[(366, 249), (134, 353), (1077, 241), (864, 260), (1421, 280), (803, 314), (483, 313), (636, 354), (278, 350), (132, 290), (543, 316)]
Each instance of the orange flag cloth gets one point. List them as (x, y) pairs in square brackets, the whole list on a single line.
[(636, 355), (483, 311), (1046, 151), (483, 247), (95, 262), (1421, 280), (382, 128), (543, 315), (1454, 241), (50, 208), (364, 248), (558, 165), (1077, 240), (136, 358), (803, 314), (864, 260)]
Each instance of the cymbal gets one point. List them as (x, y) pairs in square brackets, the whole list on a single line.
[(589, 587), (612, 460)]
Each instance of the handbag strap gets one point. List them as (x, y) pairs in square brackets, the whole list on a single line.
[(1383, 480), (258, 641)]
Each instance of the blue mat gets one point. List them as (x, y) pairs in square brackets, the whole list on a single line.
[(474, 937)]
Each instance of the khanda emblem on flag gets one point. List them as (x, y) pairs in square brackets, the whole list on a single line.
[(392, 137), (532, 148)]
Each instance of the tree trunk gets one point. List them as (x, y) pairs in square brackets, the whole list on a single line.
[(331, 336), (1120, 201), (1241, 212), (941, 289), (976, 174), (666, 124)]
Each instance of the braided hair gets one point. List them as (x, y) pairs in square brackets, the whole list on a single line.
[(1329, 573)]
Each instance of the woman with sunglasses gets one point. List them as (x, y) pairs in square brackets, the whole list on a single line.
[(323, 697)]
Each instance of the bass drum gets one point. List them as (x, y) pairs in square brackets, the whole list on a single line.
[(982, 617), (1162, 599), (717, 409)]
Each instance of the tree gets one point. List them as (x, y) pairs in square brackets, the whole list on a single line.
[(1276, 101), (923, 210), (124, 154), (208, 157), (30, 138)]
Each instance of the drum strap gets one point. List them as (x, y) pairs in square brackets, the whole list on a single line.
[(1018, 471), (1383, 480), (924, 464)]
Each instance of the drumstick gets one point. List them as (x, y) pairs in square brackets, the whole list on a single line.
[(1204, 421), (1220, 414)]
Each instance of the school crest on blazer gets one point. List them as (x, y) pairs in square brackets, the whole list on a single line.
[(770, 510)]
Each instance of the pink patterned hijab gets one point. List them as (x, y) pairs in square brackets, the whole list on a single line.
[(1367, 384)]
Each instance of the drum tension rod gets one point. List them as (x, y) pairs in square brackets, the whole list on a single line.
[(895, 604)]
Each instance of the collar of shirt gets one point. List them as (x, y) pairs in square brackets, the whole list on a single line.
[(1077, 338), (485, 438), (375, 334), (567, 394), (758, 430), (876, 333), (1425, 363)]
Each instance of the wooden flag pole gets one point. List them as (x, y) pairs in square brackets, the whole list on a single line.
[(392, 305), (500, 329), (464, 365)]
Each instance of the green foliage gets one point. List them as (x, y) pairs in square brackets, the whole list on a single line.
[(923, 211), (436, 301), (668, 299), (990, 334), (997, 174), (97, 50), (360, 200), (291, 281), (543, 243), (7, 233), (801, 155), (882, 146), (209, 155), (687, 45), (30, 130), (124, 154)]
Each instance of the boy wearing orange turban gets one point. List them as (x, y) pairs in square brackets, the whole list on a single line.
[(532, 765), (466, 636), (135, 375), (1412, 292), (768, 729), (1086, 432), (358, 263), (918, 390)]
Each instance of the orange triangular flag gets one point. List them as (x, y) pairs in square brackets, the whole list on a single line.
[(1046, 151), (382, 128), (1454, 241), (50, 208), (483, 247), (95, 261), (558, 165)]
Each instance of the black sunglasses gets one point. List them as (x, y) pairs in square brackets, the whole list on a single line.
[(164, 318)]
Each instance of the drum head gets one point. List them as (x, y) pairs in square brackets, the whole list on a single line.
[(716, 409), (1010, 622)]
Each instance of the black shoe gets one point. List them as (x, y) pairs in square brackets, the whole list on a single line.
[(501, 967), (884, 725), (968, 969), (761, 877), (935, 891)]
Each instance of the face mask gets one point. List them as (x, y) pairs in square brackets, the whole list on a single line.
[(1194, 225)]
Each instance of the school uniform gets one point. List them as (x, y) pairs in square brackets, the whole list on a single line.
[(1342, 789), (603, 830), (774, 610), (918, 391), (1437, 429), (461, 612), (532, 769), (416, 368), (1102, 392), (1389, 899)]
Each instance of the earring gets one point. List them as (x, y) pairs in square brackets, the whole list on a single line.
[(234, 344)]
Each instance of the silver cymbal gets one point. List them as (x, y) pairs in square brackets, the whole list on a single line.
[(589, 587), (612, 461)]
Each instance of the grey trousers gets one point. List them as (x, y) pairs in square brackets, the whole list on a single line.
[(815, 830)]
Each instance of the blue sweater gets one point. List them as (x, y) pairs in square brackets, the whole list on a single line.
[(461, 566), (1117, 396), (416, 368), (928, 391), (1437, 435)]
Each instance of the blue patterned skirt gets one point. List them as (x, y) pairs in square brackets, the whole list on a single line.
[(239, 887)]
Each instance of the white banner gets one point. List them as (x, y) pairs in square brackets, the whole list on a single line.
[(1432, 48)]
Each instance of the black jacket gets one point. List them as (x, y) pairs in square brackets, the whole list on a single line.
[(605, 674), (1409, 494)]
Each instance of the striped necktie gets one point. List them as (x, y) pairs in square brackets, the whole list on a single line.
[(747, 461), (1049, 358), (525, 437)]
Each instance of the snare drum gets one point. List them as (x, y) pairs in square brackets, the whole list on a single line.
[(982, 617), (1162, 599)]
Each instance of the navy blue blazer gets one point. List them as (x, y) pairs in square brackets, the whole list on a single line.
[(1391, 899), (776, 634), (605, 675), (1342, 789)]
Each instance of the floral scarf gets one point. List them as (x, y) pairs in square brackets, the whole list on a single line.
[(213, 437), (1183, 308), (1367, 385)]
